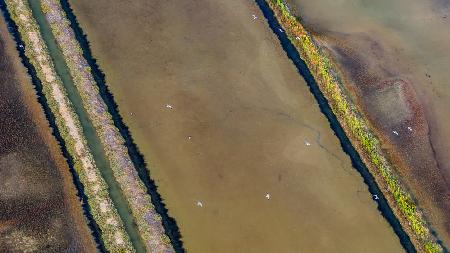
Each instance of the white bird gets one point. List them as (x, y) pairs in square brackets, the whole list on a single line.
[(307, 143), (267, 196), (254, 16), (375, 197), (199, 204), (169, 106), (297, 38), (410, 129), (395, 132), (189, 137), (279, 29)]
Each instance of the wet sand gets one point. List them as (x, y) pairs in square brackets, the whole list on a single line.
[(39, 209), (239, 128), (395, 56)]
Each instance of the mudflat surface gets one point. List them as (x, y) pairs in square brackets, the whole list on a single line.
[(39, 209), (242, 124), (395, 55)]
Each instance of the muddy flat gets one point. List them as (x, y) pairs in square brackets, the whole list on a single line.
[(39, 208), (240, 152), (395, 56)]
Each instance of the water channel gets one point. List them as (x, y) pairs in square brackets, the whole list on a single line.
[(88, 129)]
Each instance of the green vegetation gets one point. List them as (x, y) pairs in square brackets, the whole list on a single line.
[(113, 234), (357, 128)]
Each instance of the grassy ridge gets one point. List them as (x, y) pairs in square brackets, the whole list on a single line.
[(148, 221), (357, 128), (102, 209)]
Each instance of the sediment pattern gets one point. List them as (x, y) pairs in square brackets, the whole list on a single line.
[(147, 219), (358, 129), (113, 234)]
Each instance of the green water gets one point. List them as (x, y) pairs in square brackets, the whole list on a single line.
[(88, 129)]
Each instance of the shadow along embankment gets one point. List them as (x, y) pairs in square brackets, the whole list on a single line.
[(169, 223), (357, 162), (399, 85)]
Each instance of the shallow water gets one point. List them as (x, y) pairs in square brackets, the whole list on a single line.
[(93, 141), (243, 124), (400, 39)]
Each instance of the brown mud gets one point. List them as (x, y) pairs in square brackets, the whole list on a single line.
[(39, 208), (241, 124)]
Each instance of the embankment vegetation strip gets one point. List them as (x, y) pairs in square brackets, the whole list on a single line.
[(113, 235), (148, 221), (169, 223), (357, 128)]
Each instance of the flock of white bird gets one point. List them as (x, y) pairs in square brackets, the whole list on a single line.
[(267, 196)]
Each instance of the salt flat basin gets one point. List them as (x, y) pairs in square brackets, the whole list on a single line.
[(223, 118), (375, 41)]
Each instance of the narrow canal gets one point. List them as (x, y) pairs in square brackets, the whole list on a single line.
[(88, 129)]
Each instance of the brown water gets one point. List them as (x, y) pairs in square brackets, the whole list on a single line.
[(39, 209), (408, 39), (239, 128)]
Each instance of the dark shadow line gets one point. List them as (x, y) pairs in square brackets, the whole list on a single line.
[(13, 29), (346, 145), (169, 223)]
